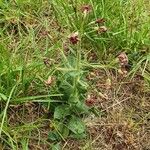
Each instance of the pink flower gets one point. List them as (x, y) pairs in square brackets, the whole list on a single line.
[(74, 38), (123, 59), (100, 20), (90, 101), (86, 8), (102, 29)]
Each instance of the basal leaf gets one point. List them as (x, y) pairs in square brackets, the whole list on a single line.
[(53, 136), (61, 111), (79, 136), (76, 125), (64, 131), (81, 107), (56, 146)]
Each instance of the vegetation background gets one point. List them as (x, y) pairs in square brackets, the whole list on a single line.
[(74, 74)]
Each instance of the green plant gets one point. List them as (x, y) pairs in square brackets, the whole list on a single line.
[(71, 83), (64, 40)]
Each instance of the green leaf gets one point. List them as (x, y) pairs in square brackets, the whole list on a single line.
[(56, 146), (74, 98), (61, 111), (76, 125), (83, 84), (67, 89), (2, 96), (81, 107), (63, 130), (53, 136), (78, 136), (74, 73)]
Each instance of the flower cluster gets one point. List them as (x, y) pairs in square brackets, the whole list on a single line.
[(123, 61), (100, 20), (86, 8), (90, 101), (74, 38)]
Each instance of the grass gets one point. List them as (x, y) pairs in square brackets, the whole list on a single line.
[(40, 68)]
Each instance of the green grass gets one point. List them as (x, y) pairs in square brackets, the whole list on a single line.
[(32, 38)]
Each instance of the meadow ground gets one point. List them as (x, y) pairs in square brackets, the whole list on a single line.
[(75, 74)]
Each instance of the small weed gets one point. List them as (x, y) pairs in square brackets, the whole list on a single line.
[(66, 65)]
